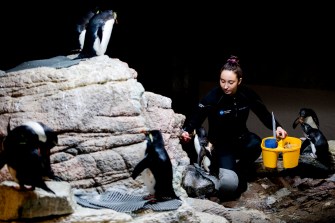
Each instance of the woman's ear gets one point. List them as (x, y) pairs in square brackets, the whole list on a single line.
[(239, 81)]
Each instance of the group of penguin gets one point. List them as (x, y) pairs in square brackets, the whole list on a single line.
[(26, 152), (315, 144), (26, 148)]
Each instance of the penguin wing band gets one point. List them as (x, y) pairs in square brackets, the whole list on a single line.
[(122, 201)]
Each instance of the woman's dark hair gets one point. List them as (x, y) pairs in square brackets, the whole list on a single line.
[(233, 64)]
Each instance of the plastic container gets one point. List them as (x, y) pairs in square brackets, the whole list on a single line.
[(289, 147), (271, 143)]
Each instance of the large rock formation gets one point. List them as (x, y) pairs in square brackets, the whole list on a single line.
[(99, 110)]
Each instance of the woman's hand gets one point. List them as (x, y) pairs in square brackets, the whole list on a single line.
[(185, 137), (281, 133)]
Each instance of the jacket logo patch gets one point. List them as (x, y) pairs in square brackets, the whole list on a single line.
[(223, 112)]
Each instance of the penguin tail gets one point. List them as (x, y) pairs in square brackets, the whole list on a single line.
[(43, 186), (3, 159)]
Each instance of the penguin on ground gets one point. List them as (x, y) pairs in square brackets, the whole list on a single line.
[(158, 175), (97, 34), (26, 151), (203, 148), (306, 115), (318, 144)]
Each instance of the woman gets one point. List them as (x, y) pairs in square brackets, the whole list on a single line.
[(227, 108)]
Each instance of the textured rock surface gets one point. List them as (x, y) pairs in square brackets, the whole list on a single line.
[(16, 204), (99, 110)]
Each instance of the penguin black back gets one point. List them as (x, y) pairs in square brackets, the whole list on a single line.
[(158, 161), (320, 143), (98, 32), (26, 151), (82, 25)]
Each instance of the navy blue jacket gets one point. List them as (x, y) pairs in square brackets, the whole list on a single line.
[(227, 114)]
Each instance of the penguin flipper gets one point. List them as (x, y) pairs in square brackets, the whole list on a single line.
[(3, 159), (143, 164)]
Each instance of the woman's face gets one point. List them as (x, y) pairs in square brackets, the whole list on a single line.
[(229, 82)]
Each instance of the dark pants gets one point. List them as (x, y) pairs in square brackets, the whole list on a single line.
[(244, 149)]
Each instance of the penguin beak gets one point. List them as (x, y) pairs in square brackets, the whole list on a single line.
[(146, 132), (115, 17), (150, 136), (298, 120)]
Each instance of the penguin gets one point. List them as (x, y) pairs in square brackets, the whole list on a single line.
[(203, 148), (81, 27), (26, 151), (97, 34), (158, 169), (306, 115), (318, 144)]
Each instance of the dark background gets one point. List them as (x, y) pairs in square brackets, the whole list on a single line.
[(175, 46)]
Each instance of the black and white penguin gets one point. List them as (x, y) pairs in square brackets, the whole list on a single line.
[(319, 147), (82, 25), (26, 151), (158, 175), (203, 148), (306, 115), (98, 33)]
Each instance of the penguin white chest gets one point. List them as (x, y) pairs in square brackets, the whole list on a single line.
[(149, 180), (100, 45)]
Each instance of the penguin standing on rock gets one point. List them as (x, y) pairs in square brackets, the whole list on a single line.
[(82, 25), (98, 33), (26, 151), (158, 165)]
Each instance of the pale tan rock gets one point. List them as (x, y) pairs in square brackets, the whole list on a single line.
[(17, 204)]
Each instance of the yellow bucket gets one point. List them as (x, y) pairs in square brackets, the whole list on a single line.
[(289, 147)]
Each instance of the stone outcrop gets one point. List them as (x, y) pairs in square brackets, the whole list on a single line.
[(16, 204), (99, 110)]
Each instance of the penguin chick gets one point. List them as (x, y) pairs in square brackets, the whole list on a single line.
[(157, 161), (98, 33), (26, 151)]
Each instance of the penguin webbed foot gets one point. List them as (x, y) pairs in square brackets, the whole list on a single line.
[(151, 198), (23, 187)]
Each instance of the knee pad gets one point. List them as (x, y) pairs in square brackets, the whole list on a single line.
[(228, 181)]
